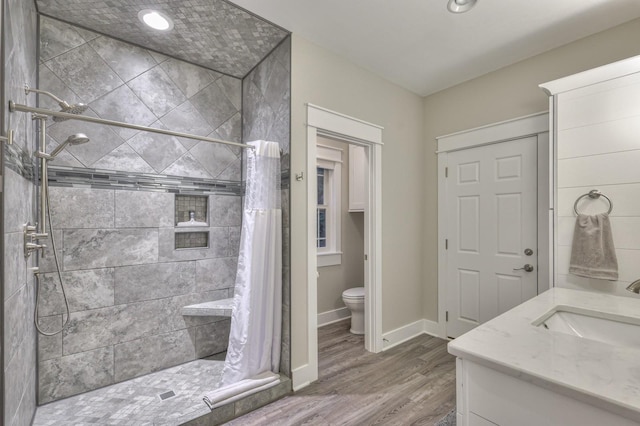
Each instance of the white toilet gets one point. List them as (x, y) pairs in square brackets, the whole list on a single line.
[(353, 298)]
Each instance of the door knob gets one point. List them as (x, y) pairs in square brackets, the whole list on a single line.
[(526, 268)]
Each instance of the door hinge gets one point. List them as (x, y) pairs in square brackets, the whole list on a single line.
[(366, 257), (446, 316), (446, 172), (446, 244)]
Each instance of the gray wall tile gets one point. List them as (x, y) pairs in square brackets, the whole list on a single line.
[(216, 274), (214, 105), (186, 118), (74, 374), (57, 38), (86, 289), (212, 338), (19, 380), (231, 130), (232, 88), (188, 77), (127, 60), (24, 415), (233, 172), (17, 322), (146, 282), (85, 72), (157, 91), (121, 104), (225, 210), (149, 354), (15, 265), (100, 248), (234, 240), (213, 157), (138, 209), (187, 165), (159, 151), (50, 347), (91, 329), (125, 159), (17, 194), (81, 207)]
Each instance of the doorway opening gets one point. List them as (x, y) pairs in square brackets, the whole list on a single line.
[(323, 123)]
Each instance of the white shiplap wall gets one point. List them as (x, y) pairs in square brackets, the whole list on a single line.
[(598, 147)]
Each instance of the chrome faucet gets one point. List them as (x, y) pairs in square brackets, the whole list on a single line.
[(634, 287)]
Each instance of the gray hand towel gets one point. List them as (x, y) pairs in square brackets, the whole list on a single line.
[(593, 254)]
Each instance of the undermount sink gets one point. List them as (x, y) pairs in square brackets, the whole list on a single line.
[(592, 325)]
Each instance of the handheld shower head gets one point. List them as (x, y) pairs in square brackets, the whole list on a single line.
[(77, 109), (77, 139)]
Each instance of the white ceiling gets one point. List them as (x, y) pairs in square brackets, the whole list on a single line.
[(419, 45)]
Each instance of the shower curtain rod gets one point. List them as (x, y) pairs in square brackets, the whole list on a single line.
[(24, 108)]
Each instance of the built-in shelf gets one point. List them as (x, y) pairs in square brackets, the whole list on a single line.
[(216, 308)]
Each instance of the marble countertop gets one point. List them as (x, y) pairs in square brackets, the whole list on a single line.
[(601, 374)]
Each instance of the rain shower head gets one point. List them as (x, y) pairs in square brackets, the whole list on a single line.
[(76, 109), (77, 139)]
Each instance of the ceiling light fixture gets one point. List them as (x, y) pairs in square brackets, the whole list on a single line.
[(156, 20), (460, 6)]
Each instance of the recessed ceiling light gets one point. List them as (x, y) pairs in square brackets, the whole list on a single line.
[(460, 6), (156, 20)]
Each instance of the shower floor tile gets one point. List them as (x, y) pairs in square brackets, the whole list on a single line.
[(137, 401)]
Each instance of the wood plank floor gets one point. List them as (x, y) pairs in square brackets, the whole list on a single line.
[(411, 384)]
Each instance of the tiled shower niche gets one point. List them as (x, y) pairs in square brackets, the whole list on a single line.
[(187, 204)]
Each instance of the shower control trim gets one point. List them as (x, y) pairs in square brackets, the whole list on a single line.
[(31, 239)]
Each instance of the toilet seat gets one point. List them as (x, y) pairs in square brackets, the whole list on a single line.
[(353, 293)]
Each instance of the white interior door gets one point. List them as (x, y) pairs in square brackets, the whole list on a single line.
[(491, 231)]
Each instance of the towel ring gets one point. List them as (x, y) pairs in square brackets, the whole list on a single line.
[(593, 194)]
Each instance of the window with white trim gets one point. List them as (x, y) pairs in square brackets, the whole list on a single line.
[(328, 229)]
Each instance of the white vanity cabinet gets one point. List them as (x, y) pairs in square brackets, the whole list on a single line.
[(489, 397), (357, 178)]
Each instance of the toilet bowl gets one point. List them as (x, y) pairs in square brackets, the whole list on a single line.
[(353, 298)]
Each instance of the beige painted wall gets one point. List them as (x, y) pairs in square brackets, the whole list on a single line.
[(332, 82), (333, 280), (503, 94)]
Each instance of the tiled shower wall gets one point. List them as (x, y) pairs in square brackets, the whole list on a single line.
[(125, 280), (123, 82), (19, 335), (266, 115)]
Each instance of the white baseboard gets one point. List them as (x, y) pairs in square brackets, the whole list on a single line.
[(303, 376), (402, 334), (329, 317), (432, 328), (409, 331)]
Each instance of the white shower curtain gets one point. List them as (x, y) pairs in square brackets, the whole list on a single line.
[(254, 340)]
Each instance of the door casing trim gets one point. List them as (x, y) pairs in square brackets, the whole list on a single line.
[(504, 131)]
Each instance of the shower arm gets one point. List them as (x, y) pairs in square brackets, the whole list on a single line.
[(13, 107), (28, 90)]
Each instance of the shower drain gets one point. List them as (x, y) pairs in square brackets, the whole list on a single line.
[(167, 395)]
